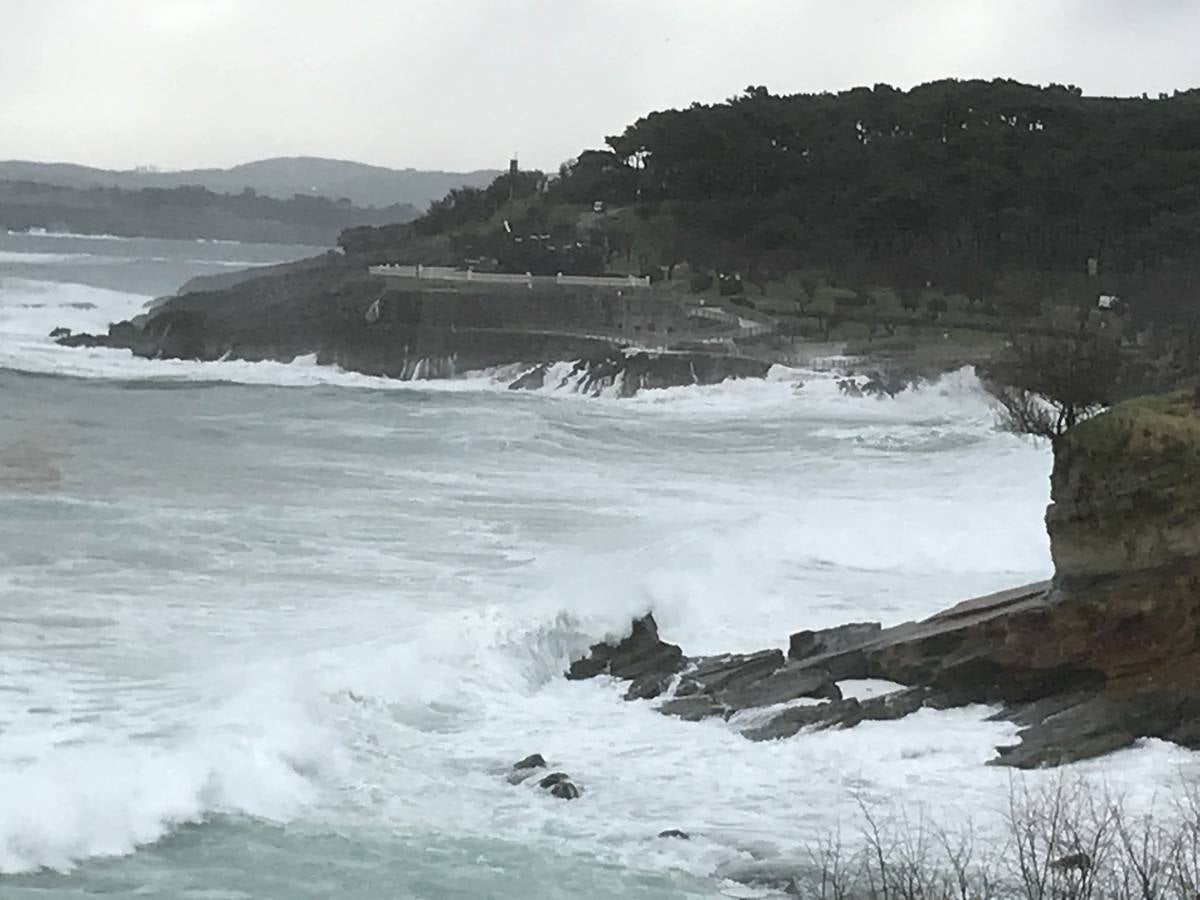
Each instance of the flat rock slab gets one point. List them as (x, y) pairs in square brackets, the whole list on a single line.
[(789, 682), (839, 714), (1083, 668), (730, 672), (805, 644)]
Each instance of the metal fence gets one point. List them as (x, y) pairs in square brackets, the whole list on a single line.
[(447, 273)]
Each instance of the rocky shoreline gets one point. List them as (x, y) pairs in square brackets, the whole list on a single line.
[(1006, 649), (1106, 653), (1101, 656)]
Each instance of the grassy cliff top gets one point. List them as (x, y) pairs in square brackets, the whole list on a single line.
[(1152, 426)]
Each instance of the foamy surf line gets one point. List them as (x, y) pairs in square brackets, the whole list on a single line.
[(44, 233), (43, 258), (103, 364), (954, 396), (30, 310)]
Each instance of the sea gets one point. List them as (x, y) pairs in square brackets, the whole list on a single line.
[(277, 630)]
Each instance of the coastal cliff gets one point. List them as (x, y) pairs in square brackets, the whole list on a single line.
[(1106, 653), (1126, 489), (332, 308)]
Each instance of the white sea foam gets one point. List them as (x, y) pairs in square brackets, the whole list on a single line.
[(352, 609), (43, 233), (40, 258), (77, 788)]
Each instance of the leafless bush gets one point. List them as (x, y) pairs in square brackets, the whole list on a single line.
[(1184, 844), (1045, 386), (838, 872), (1065, 840), (1062, 837)]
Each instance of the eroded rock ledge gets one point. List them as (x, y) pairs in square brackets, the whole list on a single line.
[(1081, 677)]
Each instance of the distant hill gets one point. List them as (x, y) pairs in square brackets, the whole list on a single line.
[(284, 177), (187, 212)]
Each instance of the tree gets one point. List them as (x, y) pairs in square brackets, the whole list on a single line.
[(1047, 385)]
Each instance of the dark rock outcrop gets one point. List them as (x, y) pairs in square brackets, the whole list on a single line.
[(640, 654), (559, 785), (626, 373)]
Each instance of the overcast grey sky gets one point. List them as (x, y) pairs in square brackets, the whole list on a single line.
[(461, 84)]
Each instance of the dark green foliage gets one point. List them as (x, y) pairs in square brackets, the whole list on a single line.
[(996, 171), (1020, 199), (469, 205), (597, 175)]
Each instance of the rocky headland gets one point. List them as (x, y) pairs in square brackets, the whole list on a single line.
[(332, 307), (1105, 653)]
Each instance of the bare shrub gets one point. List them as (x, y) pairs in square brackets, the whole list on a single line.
[(1046, 385), (838, 879), (1145, 848), (1063, 840)]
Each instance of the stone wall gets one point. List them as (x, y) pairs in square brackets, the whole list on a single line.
[(579, 311)]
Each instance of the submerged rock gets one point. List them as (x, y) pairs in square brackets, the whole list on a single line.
[(526, 768), (676, 834), (565, 790), (559, 785), (786, 876)]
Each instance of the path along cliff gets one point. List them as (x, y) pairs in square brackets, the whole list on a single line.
[(1104, 654)]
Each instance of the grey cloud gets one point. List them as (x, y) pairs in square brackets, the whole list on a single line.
[(463, 83)]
